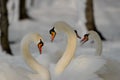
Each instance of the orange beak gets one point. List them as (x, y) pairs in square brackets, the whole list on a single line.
[(53, 34), (85, 39), (40, 48)]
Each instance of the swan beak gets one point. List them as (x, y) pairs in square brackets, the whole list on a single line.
[(85, 38), (53, 34), (40, 45)]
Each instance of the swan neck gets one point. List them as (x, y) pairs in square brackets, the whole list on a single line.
[(70, 49), (34, 65), (98, 42)]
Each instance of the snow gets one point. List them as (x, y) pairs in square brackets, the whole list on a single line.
[(46, 13)]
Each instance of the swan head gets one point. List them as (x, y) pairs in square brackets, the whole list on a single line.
[(85, 38), (40, 45), (52, 33), (57, 27), (60, 26)]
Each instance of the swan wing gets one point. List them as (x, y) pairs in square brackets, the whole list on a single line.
[(81, 68), (86, 64), (111, 71)]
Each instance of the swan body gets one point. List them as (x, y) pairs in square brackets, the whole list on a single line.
[(111, 70), (83, 67), (41, 70)]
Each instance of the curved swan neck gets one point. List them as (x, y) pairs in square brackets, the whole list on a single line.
[(33, 37), (98, 42), (70, 49)]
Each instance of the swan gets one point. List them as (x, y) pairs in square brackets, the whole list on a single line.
[(68, 59), (111, 70), (71, 46), (37, 39)]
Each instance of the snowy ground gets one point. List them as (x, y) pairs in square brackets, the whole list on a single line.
[(45, 15)]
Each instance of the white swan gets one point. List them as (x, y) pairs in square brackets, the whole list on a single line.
[(37, 39), (111, 70), (70, 51), (71, 46)]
